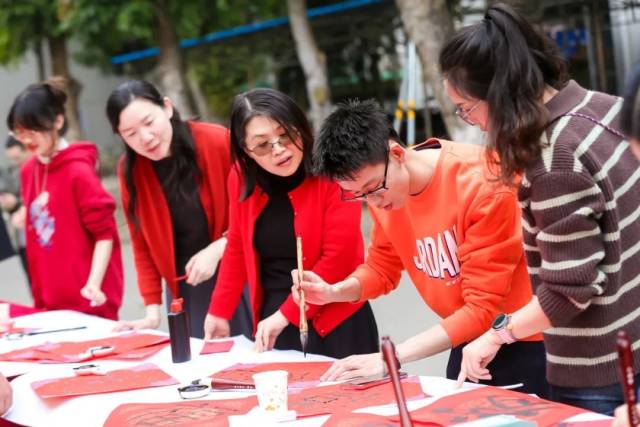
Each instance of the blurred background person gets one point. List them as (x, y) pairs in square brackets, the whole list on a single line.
[(10, 200), (73, 246)]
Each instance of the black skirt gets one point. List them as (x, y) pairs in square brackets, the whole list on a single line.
[(196, 303), (358, 334)]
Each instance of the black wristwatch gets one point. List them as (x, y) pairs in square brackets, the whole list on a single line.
[(502, 327)]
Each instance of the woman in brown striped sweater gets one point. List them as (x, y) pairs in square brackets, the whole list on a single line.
[(630, 118), (578, 187)]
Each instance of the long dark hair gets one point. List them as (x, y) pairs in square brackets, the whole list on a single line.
[(506, 62), (183, 166), (630, 114), (37, 107), (278, 107)]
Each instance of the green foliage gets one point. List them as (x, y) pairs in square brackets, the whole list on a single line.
[(106, 28), (226, 70), (25, 23)]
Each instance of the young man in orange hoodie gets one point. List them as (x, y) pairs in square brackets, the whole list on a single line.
[(438, 214)]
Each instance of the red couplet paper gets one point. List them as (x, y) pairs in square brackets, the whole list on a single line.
[(593, 423), (29, 354), (17, 310), (138, 353), (133, 346), (141, 376), (217, 347), (301, 374), (201, 413), (339, 398), (352, 419), (488, 401)]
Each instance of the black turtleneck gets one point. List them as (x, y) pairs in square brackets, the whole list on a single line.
[(274, 238), (188, 219)]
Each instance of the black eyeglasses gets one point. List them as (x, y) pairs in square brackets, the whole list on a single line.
[(348, 196), (266, 147), (464, 114)]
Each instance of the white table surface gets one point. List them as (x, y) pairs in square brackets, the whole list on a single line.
[(87, 411)]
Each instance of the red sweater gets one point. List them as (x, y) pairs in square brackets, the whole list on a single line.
[(333, 248), (152, 239), (62, 231)]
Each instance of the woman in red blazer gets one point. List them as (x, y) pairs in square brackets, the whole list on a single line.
[(172, 181), (273, 197)]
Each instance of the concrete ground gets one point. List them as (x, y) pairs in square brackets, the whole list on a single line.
[(400, 314)]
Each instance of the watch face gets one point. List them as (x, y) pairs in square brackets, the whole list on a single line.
[(500, 321)]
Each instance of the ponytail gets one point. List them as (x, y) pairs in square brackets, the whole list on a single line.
[(505, 62), (630, 114)]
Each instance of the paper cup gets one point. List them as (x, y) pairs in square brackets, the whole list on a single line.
[(271, 387)]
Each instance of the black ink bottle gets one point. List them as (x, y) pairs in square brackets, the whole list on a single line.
[(178, 320)]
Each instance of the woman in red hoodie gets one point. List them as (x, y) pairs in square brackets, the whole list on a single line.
[(73, 248), (172, 181), (273, 197)]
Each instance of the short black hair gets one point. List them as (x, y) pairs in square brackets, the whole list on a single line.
[(630, 114), (13, 142), (355, 135)]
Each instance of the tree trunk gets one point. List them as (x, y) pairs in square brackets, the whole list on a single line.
[(200, 101), (170, 68), (37, 50), (429, 24), (60, 67), (313, 61)]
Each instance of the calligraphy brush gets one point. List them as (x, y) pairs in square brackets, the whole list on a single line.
[(304, 329), (389, 357), (625, 360)]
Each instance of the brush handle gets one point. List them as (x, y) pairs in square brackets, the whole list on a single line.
[(625, 360), (303, 306), (388, 351)]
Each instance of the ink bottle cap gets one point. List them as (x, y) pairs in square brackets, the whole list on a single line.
[(176, 305)]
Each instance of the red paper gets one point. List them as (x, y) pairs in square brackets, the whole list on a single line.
[(595, 423), (29, 354), (138, 353), (141, 376), (201, 413), (358, 420), (488, 401), (17, 310), (7, 423), (301, 374), (338, 398), (132, 346), (217, 347)]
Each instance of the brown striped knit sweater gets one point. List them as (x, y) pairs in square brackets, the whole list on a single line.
[(581, 204)]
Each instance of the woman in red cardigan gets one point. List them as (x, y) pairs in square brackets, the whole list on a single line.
[(172, 181), (273, 197)]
